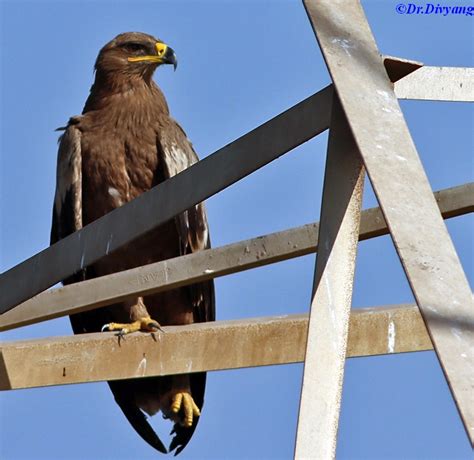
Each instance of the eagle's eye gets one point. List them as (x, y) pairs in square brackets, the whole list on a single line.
[(134, 48)]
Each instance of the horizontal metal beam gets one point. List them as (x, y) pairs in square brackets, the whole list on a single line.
[(199, 347), (233, 258), (197, 183), (438, 84)]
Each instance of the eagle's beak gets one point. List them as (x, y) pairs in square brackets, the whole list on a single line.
[(169, 56), (164, 55)]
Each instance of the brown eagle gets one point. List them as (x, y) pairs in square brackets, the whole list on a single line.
[(123, 144)]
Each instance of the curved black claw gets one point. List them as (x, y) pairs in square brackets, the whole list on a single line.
[(155, 325), (121, 336)]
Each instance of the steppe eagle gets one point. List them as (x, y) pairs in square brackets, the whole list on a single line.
[(124, 143)]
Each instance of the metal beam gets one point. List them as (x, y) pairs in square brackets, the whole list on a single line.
[(197, 183), (230, 164), (205, 265), (198, 347), (438, 84), (423, 244), (332, 293)]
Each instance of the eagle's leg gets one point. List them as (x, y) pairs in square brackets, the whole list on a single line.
[(182, 402), (178, 404), (141, 320)]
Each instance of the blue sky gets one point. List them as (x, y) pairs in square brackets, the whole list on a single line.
[(240, 63)]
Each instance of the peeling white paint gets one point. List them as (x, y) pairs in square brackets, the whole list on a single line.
[(330, 299), (384, 94), (345, 44), (326, 244), (457, 333), (107, 248), (391, 337), (141, 370), (165, 266), (401, 158)]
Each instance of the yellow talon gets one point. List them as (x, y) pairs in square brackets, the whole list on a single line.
[(177, 402), (190, 409), (144, 324)]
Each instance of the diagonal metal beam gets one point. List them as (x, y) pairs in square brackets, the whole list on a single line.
[(423, 244), (204, 265), (226, 166), (332, 293), (198, 347), (197, 183)]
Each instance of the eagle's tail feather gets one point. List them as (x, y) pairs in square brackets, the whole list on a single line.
[(136, 418)]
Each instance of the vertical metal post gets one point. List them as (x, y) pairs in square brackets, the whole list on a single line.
[(332, 294), (423, 244)]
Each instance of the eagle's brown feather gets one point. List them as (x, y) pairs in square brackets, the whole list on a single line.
[(123, 144)]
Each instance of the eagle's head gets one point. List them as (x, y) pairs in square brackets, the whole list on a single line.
[(133, 54)]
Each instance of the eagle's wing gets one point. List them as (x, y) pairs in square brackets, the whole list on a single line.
[(67, 208), (178, 154)]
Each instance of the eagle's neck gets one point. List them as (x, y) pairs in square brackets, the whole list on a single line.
[(125, 95)]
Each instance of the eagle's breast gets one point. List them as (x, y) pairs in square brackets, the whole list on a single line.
[(120, 158)]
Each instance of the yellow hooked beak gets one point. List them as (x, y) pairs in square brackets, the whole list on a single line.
[(164, 55)]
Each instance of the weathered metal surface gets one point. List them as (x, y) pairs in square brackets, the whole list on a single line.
[(438, 84), (205, 265), (403, 191), (207, 177), (332, 293), (198, 347)]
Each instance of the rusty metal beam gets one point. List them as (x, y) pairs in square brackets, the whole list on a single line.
[(325, 356), (197, 183), (438, 84), (198, 347), (423, 244), (205, 265)]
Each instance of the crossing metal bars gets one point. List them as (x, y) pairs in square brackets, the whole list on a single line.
[(367, 132)]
